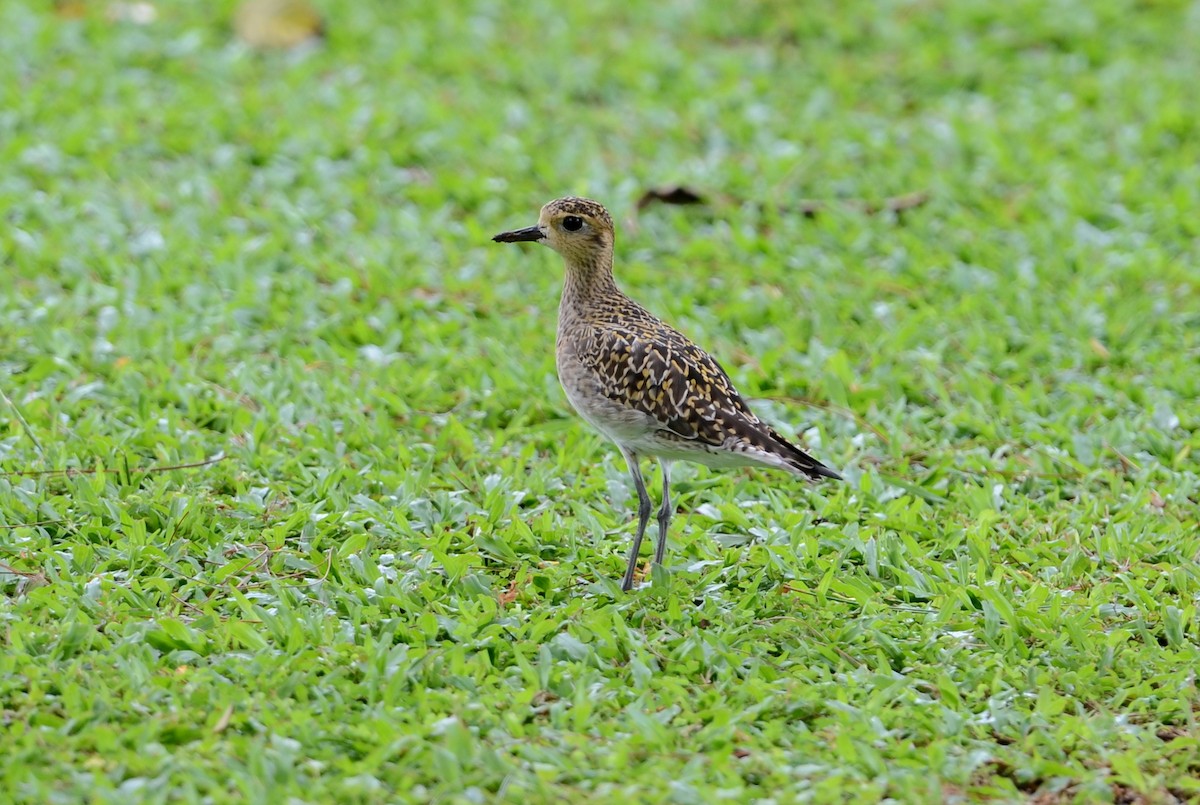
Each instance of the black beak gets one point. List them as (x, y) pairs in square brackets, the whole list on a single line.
[(526, 235)]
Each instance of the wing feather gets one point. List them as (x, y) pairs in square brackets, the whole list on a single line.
[(646, 365), (674, 381)]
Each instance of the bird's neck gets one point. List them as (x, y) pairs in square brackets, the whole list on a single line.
[(587, 282)]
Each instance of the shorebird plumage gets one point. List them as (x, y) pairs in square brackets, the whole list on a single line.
[(638, 380)]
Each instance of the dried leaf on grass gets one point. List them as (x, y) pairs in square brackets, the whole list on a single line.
[(809, 208), (277, 24), (670, 195)]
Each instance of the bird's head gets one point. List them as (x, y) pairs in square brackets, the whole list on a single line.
[(579, 229)]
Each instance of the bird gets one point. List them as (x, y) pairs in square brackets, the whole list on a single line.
[(641, 382)]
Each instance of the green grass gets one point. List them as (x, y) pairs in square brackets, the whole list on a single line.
[(398, 584)]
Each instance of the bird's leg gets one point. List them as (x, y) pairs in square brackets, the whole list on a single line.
[(635, 472), (664, 513)]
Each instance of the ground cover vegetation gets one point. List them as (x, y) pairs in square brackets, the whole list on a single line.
[(384, 566)]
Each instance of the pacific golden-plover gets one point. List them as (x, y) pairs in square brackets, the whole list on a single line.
[(638, 380)]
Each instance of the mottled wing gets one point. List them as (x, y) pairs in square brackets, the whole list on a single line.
[(668, 377), (647, 366)]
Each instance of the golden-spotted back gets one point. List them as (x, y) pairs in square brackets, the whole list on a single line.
[(694, 412)]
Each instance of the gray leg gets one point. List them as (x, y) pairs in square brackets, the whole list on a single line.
[(635, 473), (664, 513)]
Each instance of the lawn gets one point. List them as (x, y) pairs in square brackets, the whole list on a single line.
[(292, 507)]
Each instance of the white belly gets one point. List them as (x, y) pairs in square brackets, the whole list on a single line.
[(622, 424)]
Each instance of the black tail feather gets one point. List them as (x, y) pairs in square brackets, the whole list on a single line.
[(802, 461)]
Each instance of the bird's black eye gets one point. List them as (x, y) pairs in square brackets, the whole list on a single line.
[(572, 223)]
